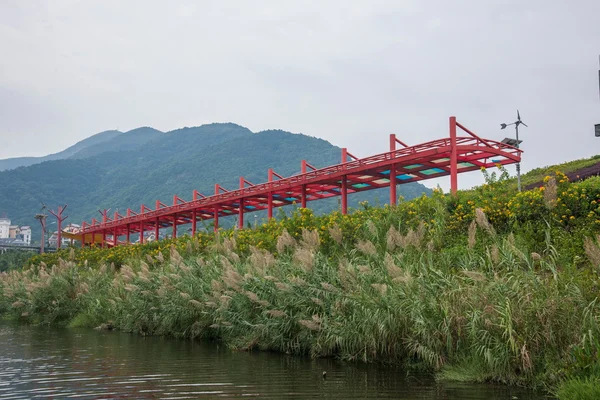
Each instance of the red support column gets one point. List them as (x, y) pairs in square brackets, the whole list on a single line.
[(453, 157), (241, 214), (216, 219), (115, 236), (393, 194), (174, 227), (344, 183), (344, 195), (303, 187), (270, 205), (127, 240), (270, 197), (194, 223), (241, 207), (141, 233)]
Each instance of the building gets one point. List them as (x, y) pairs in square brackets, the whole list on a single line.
[(21, 235), (25, 234), (4, 228)]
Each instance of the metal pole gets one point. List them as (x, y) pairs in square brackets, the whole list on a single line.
[(519, 163)]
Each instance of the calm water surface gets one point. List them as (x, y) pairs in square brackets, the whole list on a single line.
[(49, 363)]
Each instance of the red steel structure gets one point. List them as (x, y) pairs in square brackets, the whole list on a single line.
[(401, 164)]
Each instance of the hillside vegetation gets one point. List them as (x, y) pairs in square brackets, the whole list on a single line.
[(487, 285)]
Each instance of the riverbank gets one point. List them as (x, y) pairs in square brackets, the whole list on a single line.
[(489, 285)]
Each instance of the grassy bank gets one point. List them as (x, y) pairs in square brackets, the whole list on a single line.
[(489, 285)]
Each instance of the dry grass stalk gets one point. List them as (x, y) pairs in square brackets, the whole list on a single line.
[(317, 301), (380, 287), (200, 261), (550, 193), (347, 279), (131, 288), (372, 228), (472, 240), (336, 233), (305, 258), (72, 254), (328, 286), (366, 247), (276, 313), (216, 286), (229, 244), (310, 239), (175, 257), (185, 295), (232, 279), (195, 303), (535, 256), (483, 222), (224, 300), (253, 297), (188, 248), (592, 250), (495, 254), (430, 246), (393, 238), (310, 324), (284, 241), (284, 287), (297, 281), (405, 277), (127, 273), (474, 275), (261, 260), (144, 269), (393, 270), (160, 257), (364, 269)]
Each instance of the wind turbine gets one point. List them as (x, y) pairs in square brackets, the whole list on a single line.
[(515, 143)]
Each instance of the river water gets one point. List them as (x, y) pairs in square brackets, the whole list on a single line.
[(51, 363)]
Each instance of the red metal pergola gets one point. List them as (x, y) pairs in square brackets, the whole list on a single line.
[(401, 164)]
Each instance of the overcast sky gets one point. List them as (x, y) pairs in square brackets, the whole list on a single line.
[(350, 72)]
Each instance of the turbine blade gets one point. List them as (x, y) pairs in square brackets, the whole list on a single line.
[(518, 116), (523, 123)]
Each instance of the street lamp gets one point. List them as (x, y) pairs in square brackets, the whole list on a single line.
[(515, 143)]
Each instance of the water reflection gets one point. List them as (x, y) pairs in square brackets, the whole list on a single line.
[(53, 363)]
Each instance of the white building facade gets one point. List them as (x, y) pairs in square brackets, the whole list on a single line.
[(4, 228)]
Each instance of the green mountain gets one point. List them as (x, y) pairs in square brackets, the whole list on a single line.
[(144, 165), (92, 141)]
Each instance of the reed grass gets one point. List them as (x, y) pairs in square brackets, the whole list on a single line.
[(483, 305)]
